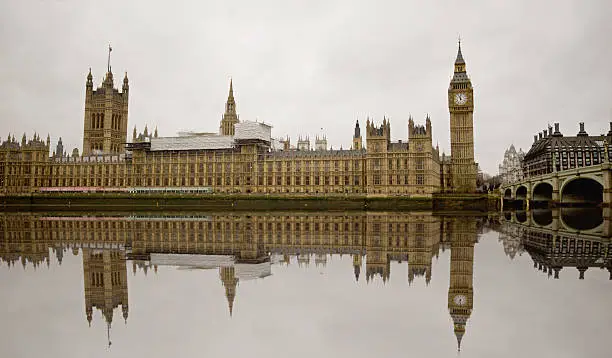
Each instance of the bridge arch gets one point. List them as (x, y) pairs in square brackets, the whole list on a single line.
[(521, 216), (581, 219), (521, 193), (508, 193), (542, 192), (508, 215), (542, 217), (582, 190)]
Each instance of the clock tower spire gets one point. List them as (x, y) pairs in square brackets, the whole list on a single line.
[(461, 108)]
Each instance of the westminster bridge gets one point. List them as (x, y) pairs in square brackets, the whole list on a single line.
[(591, 185)]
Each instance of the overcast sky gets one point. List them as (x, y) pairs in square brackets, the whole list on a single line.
[(311, 65)]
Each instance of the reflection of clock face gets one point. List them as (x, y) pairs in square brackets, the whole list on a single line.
[(460, 300), (460, 98)]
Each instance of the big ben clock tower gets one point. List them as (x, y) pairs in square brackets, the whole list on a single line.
[(461, 108)]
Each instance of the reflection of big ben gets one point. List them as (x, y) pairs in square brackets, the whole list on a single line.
[(230, 281), (460, 293), (105, 276)]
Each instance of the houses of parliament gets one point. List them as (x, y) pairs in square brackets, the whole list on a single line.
[(243, 157)]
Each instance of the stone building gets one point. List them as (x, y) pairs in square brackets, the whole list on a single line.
[(551, 151), (242, 157), (511, 169), (106, 115)]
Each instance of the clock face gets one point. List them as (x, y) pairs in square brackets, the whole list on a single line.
[(460, 300), (461, 98)]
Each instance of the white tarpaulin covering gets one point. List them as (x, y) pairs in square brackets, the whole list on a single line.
[(252, 130), (200, 261), (247, 272), (192, 142)]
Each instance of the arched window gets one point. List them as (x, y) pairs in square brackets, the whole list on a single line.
[(102, 121), (93, 121)]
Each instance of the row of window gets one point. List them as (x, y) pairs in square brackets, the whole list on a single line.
[(97, 121), (97, 279)]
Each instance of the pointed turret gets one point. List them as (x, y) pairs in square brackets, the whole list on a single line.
[(357, 266), (108, 80), (126, 85), (230, 117), (357, 141), (155, 134), (125, 312), (89, 83)]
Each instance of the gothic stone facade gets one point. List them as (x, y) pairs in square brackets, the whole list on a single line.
[(511, 169), (106, 116), (411, 167), (554, 152)]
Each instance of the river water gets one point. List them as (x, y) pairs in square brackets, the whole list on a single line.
[(358, 284)]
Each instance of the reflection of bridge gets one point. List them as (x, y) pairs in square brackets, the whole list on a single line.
[(584, 185), (553, 246), (584, 221)]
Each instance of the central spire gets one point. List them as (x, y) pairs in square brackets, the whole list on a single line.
[(230, 117), (230, 106)]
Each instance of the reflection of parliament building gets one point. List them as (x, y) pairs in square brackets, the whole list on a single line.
[(243, 157), (244, 247)]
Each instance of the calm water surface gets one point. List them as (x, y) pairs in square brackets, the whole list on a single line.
[(305, 284)]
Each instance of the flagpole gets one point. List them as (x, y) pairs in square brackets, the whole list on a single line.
[(109, 53)]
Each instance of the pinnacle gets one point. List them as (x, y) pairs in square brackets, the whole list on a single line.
[(459, 59)]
